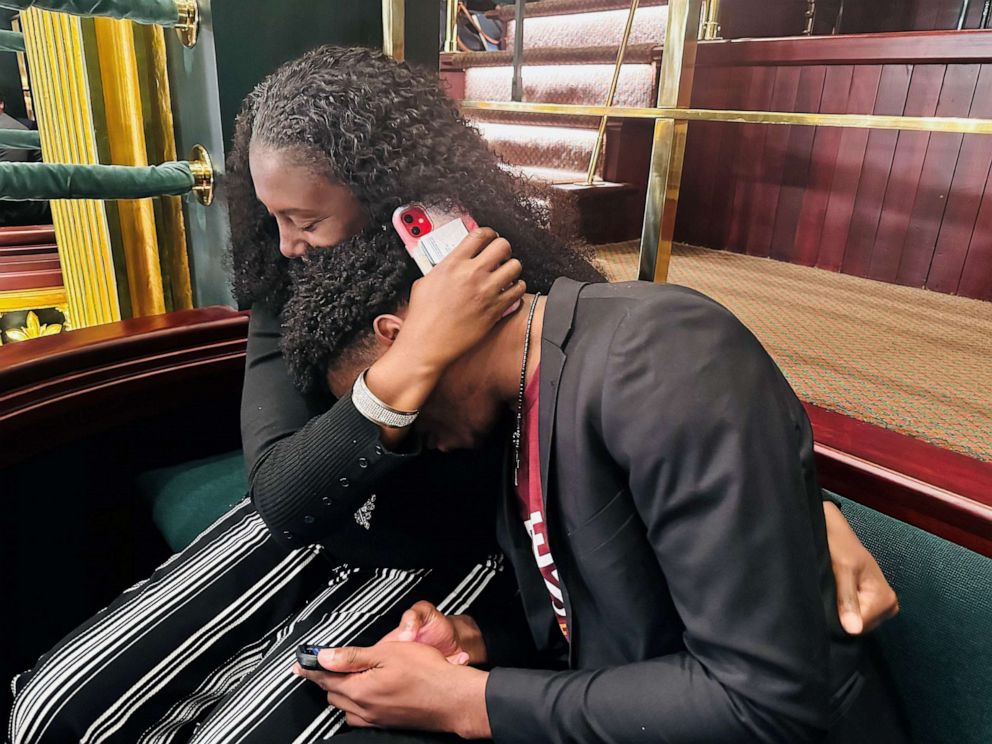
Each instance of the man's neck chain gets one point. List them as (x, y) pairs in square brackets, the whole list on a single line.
[(518, 431)]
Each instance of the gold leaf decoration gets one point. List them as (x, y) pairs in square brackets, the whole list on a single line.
[(34, 329)]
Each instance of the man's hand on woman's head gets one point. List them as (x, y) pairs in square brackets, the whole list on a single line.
[(864, 598)]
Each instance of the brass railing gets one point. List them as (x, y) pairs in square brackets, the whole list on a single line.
[(182, 15), (617, 67), (674, 111)]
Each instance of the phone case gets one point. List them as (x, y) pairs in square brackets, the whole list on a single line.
[(430, 234), (306, 655)]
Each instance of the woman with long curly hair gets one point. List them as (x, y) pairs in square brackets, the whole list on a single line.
[(347, 522)]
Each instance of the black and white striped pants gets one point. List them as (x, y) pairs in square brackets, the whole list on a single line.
[(202, 651)]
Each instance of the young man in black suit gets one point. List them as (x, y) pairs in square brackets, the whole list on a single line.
[(663, 518)]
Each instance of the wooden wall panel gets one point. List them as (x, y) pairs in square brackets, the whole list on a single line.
[(823, 163), (906, 207), (879, 151), (935, 179), (761, 83), (796, 170), (847, 174), (904, 177), (771, 165), (721, 144), (964, 198), (978, 265)]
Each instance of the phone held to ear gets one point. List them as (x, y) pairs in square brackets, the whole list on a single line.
[(430, 234), (306, 655)]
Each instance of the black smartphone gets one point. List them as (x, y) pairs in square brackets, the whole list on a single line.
[(306, 655)]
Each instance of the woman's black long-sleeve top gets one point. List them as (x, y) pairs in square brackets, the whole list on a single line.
[(314, 465)]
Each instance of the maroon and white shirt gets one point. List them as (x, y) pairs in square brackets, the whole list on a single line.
[(531, 501)]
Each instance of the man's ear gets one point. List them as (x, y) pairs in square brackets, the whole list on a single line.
[(387, 328)]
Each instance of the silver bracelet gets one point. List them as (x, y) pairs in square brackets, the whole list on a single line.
[(375, 410)]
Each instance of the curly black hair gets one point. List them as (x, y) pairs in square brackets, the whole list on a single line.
[(357, 117), (336, 295)]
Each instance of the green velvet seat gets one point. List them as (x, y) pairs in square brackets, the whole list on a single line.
[(939, 648), (186, 498)]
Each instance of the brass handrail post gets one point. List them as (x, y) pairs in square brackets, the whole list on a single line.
[(451, 27), (621, 52), (711, 24), (668, 148), (393, 27), (517, 82)]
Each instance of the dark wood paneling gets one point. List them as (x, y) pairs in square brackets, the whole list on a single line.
[(67, 387), (771, 164), (847, 174), (935, 179), (729, 141), (823, 162), (29, 235), (759, 18), (893, 206), (796, 171), (904, 178), (936, 490), (748, 166), (978, 265), (938, 47), (879, 151), (964, 198)]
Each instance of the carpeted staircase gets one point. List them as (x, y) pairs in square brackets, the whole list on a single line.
[(570, 47)]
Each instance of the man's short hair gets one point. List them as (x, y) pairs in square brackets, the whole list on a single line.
[(336, 294)]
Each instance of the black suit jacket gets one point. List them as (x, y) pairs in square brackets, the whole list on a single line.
[(686, 523)]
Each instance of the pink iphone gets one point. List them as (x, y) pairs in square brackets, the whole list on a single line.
[(430, 234)]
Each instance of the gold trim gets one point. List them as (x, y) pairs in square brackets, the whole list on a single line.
[(950, 124), (188, 28), (33, 299), (172, 236), (393, 29), (601, 132), (65, 118), (126, 134), (711, 24), (451, 27), (34, 329), (203, 175), (668, 148)]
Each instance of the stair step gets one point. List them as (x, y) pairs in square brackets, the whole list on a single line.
[(526, 118), (580, 55), (602, 28), (555, 147), (567, 7), (555, 176), (607, 212), (585, 84)]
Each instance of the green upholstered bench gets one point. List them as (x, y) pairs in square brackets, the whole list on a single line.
[(186, 498), (939, 648)]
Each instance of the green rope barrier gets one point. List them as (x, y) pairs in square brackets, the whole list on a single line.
[(42, 181), (19, 139), (155, 12), (11, 41)]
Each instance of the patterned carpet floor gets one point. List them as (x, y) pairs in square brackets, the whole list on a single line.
[(910, 360)]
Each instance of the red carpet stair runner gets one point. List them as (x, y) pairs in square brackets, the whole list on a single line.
[(570, 47)]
